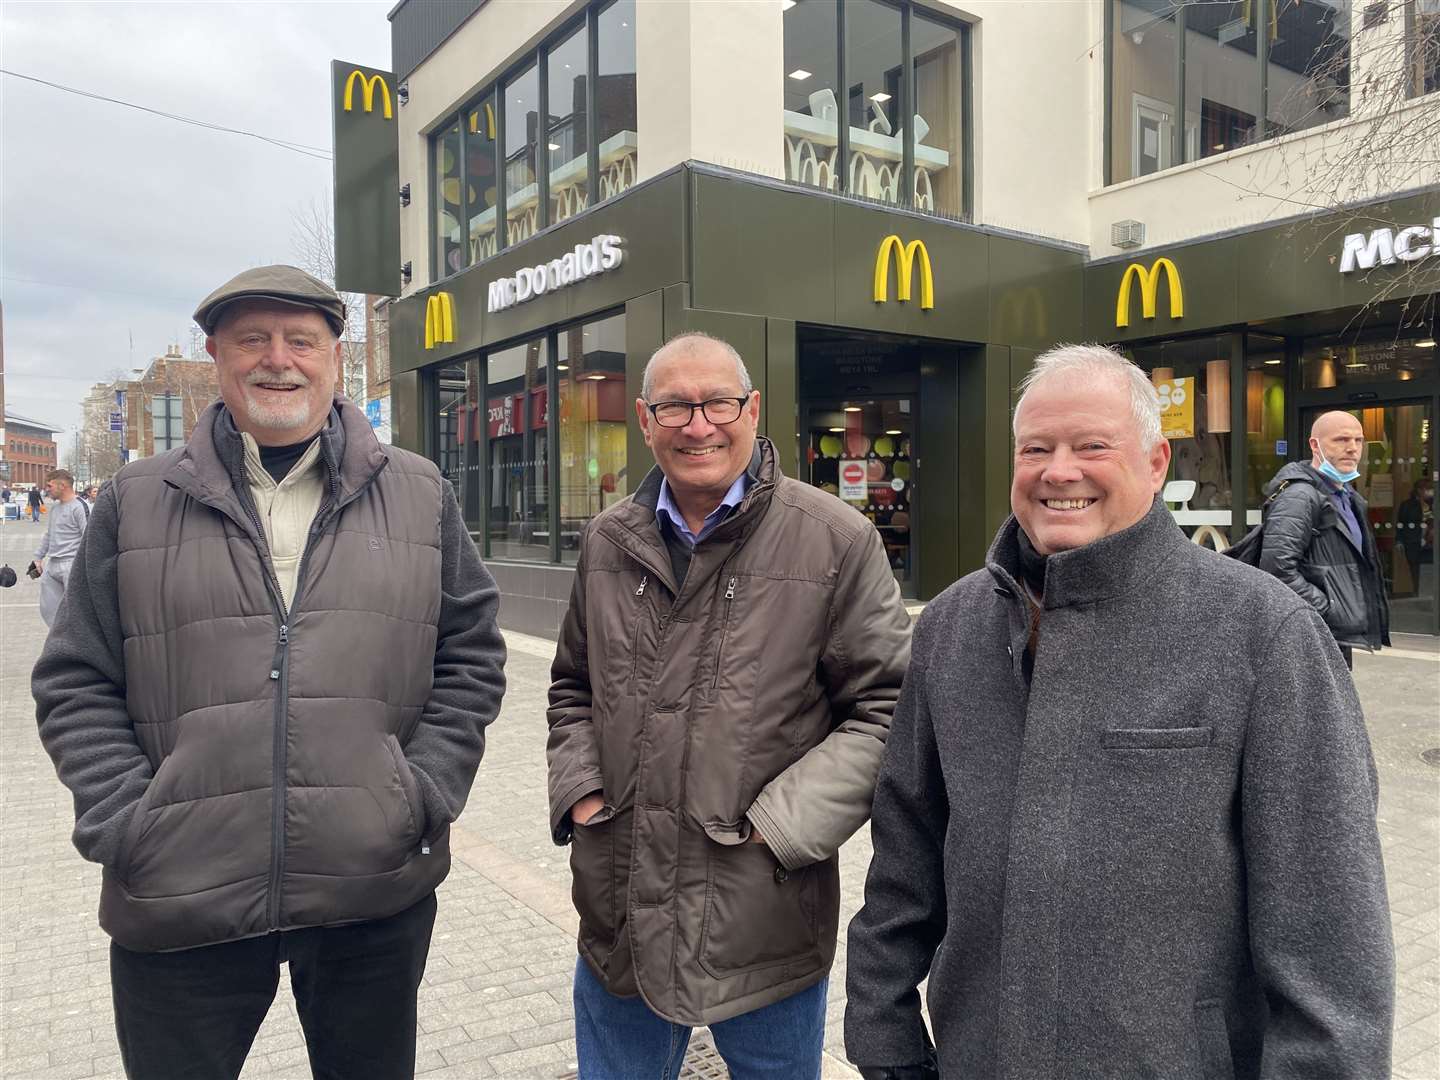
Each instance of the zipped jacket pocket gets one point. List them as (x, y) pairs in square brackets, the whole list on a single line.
[(728, 600)]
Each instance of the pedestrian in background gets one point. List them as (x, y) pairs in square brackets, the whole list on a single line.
[(268, 694), (56, 553), (1318, 539), (35, 502), (1126, 818), (721, 694)]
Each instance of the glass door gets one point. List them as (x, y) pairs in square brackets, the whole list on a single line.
[(863, 452), (1397, 481)]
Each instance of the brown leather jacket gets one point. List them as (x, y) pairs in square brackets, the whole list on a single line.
[(758, 692)]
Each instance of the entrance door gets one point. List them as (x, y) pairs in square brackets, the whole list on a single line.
[(1397, 480), (863, 451)]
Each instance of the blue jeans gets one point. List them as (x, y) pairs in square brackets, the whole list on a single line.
[(621, 1039)]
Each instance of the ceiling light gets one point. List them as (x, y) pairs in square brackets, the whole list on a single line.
[(1354, 365), (852, 408), (837, 431), (596, 376), (880, 97), (1272, 363), (799, 73), (562, 367), (1218, 146), (1425, 343), (893, 431)]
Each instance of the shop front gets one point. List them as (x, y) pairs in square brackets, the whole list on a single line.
[(1249, 337), (884, 345)]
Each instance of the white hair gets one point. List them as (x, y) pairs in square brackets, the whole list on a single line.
[(1098, 361), (689, 343)]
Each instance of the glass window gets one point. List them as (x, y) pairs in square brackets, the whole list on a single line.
[(615, 99), (935, 127), (516, 419), (449, 246), (1308, 72), (1382, 355), (812, 103), (522, 190), (1143, 88), (1265, 441), (594, 411), (449, 415), (873, 68), (565, 131), (480, 173), (1422, 44), (1222, 79), (167, 422)]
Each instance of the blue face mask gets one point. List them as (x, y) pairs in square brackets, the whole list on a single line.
[(1334, 473)]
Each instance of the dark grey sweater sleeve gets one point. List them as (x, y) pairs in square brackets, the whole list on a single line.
[(1319, 916), (892, 941), (447, 745), (79, 689)]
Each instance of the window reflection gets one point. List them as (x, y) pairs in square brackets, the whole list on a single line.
[(935, 124), (1222, 82), (811, 99), (517, 416), (1422, 38), (480, 147), (1382, 355), (1265, 445), (450, 411), (565, 132), (1309, 64), (450, 249), (594, 408), (522, 192), (872, 101), (1144, 89), (615, 99)]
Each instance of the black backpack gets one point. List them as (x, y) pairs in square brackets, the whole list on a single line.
[(1247, 549)]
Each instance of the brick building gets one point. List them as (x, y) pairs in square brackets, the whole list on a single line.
[(29, 448)]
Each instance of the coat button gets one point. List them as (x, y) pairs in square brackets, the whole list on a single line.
[(781, 875)]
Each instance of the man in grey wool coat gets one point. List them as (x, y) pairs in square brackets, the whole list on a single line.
[(1126, 817)]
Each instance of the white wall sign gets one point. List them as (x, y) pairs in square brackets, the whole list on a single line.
[(1386, 247), (602, 253)]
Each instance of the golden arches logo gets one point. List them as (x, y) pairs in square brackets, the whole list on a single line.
[(367, 92), (439, 319), (489, 121), (905, 256), (1149, 286)]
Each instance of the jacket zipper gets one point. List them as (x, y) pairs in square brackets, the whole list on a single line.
[(724, 630), (643, 582)]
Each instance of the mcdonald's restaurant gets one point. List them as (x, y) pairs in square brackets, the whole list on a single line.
[(884, 345)]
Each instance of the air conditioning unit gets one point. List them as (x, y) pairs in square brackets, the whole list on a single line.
[(1127, 234)]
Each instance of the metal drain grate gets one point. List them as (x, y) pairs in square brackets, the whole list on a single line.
[(703, 1062), (1431, 757)]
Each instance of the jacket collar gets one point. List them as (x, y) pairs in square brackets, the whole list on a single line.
[(1109, 567)]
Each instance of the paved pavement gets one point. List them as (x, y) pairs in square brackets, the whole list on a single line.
[(496, 1000)]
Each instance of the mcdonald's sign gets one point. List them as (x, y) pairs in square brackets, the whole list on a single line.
[(439, 319), (905, 256), (367, 92), (1149, 286)]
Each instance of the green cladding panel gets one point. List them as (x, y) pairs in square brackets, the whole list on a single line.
[(367, 179)]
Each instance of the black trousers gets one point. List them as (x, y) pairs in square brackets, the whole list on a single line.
[(193, 1014)]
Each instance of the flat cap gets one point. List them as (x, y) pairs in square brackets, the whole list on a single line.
[(283, 284)]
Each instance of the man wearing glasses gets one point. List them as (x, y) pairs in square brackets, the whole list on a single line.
[(719, 703)]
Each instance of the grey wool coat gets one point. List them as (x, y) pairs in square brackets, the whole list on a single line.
[(1158, 859)]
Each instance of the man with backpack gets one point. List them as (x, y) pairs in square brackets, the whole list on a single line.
[(1317, 538)]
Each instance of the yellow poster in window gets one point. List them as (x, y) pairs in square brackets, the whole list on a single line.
[(1177, 407)]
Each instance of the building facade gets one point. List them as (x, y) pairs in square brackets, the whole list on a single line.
[(29, 451), (579, 182)]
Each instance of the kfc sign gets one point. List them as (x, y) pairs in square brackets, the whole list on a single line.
[(505, 416)]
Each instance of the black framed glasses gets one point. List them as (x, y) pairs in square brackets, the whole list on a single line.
[(720, 410)]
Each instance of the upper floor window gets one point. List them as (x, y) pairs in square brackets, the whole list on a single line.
[(1227, 98), (904, 138), (1422, 46), (544, 142)]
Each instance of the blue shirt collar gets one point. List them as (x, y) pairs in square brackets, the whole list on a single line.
[(666, 510)]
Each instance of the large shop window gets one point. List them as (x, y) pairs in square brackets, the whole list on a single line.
[(493, 150), (904, 135), (517, 417), (1225, 92), (594, 411), (449, 420), (1265, 444), (1385, 355)]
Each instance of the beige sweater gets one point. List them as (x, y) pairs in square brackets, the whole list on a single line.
[(286, 509)]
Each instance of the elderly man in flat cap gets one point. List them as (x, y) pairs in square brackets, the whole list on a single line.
[(267, 690)]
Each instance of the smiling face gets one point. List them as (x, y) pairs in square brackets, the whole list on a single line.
[(1080, 469), (278, 365), (700, 460)]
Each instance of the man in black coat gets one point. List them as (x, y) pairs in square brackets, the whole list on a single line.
[(1318, 539)]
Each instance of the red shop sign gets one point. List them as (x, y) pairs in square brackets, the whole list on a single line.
[(505, 416)]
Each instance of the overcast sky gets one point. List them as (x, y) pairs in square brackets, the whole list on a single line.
[(115, 223)]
